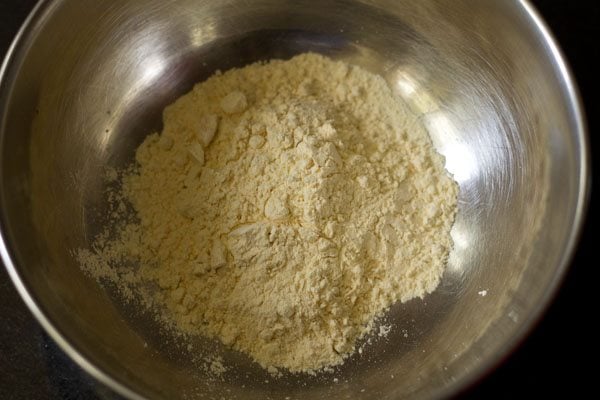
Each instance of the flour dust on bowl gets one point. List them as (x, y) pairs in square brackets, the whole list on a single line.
[(82, 94)]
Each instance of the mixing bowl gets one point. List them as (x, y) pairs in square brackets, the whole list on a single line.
[(85, 82)]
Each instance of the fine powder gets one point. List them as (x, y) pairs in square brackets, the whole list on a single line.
[(285, 206)]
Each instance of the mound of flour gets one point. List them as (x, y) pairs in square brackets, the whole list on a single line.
[(283, 208)]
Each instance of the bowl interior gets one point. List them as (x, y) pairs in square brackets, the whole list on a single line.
[(87, 82)]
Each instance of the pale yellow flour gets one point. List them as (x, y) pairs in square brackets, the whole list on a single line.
[(282, 209)]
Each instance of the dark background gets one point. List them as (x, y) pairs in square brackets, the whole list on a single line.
[(556, 359)]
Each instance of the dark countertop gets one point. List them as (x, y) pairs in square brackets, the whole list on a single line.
[(549, 362)]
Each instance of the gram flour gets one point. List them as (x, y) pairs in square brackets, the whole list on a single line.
[(283, 208)]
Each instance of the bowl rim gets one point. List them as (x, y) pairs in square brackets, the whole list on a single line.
[(41, 11)]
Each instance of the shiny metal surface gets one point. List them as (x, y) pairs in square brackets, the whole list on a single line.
[(87, 80)]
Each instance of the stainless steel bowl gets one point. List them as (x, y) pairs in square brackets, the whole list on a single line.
[(85, 81)]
